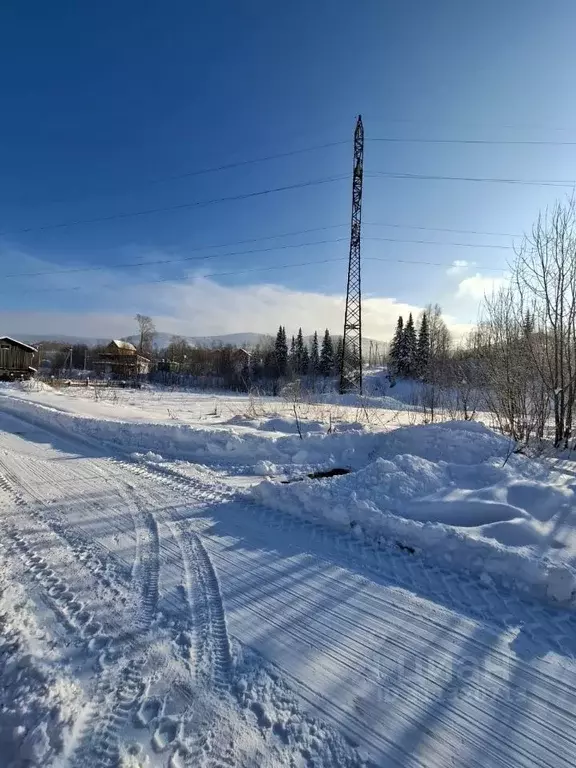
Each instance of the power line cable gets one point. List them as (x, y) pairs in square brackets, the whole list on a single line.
[(250, 251), (263, 269), (527, 142), (187, 277), (206, 171), (440, 242), (129, 265), (285, 246), (486, 180), (438, 229), (180, 206), (432, 263), (300, 185)]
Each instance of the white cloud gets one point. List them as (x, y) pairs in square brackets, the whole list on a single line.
[(478, 286), (459, 266), (197, 306), (202, 307)]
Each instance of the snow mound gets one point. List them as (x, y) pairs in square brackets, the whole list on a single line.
[(150, 456), (446, 492), (30, 385), (226, 443), (291, 426)]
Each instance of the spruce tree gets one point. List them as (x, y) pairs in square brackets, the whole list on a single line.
[(396, 348), (281, 353), (423, 348), (410, 348), (338, 355), (314, 365), (327, 355), (528, 323), (300, 355), (292, 364)]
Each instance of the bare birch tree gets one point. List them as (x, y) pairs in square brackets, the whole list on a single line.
[(147, 332), (545, 280)]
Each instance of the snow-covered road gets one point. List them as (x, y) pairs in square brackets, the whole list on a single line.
[(195, 628)]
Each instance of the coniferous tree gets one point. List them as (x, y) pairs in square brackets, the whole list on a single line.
[(292, 364), (300, 355), (338, 355), (423, 348), (410, 348), (281, 352), (305, 360), (396, 348), (327, 355), (528, 323), (314, 364)]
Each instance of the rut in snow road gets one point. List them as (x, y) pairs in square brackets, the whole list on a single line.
[(106, 546), (418, 667)]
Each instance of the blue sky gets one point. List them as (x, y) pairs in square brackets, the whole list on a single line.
[(106, 107)]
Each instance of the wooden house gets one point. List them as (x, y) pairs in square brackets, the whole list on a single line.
[(16, 359), (121, 360)]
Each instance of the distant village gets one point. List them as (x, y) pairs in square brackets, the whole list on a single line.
[(266, 362), (119, 360)]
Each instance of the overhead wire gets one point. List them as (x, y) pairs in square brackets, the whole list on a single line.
[(481, 179), (186, 278), (156, 262), (251, 251), (179, 206), (440, 242), (206, 171), (505, 142), (438, 229)]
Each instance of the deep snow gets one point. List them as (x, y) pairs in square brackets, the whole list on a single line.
[(452, 491), (366, 625), (455, 493)]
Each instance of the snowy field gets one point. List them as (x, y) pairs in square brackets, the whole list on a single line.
[(175, 589)]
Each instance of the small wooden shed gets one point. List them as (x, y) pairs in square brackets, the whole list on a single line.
[(16, 359)]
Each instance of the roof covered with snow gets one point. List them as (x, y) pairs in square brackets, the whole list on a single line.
[(16, 343), (123, 345)]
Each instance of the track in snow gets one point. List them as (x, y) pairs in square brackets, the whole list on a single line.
[(420, 667)]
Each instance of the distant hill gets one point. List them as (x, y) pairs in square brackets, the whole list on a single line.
[(162, 340), (57, 337), (235, 339)]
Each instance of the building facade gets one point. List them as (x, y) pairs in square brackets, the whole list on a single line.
[(16, 359), (121, 360)]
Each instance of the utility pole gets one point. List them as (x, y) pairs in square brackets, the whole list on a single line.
[(351, 362)]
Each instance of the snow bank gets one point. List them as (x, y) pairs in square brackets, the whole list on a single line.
[(443, 491), (225, 443), (282, 425)]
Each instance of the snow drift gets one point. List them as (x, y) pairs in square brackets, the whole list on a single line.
[(229, 443), (447, 492), (450, 492)]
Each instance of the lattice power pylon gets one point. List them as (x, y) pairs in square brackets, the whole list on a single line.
[(351, 363)]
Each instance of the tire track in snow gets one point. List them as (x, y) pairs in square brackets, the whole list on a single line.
[(542, 625), (213, 658), (146, 563), (268, 593), (204, 637), (118, 682)]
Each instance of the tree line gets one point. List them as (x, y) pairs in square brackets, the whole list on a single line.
[(267, 366), (417, 350)]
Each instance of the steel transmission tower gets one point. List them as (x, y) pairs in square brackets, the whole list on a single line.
[(351, 362)]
